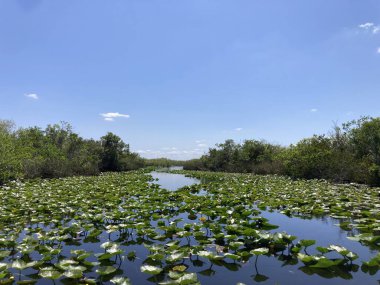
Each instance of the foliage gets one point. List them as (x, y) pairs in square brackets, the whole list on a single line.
[(57, 151), (163, 162), (48, 227), (10, 165), (351, 153)]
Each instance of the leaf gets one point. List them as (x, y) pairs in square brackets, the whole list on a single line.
[(177, 255), (179, 268), (175, 275), (105, 270), (3, 266), (21, 264), (232, 256), (73, 273), (26, 282), (189, 278), (4, 253), (50, 273), (323, 263), (307, 242), (150, 269), (121, 281), (260, 251), (260, 278), (305, 258)]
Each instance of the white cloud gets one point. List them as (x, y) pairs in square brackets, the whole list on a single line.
[(110, 117), (378, 50), (202, 145), (238, 129), (370, 27), (179, 154), (32, 96), (366, 26), (313, 110)]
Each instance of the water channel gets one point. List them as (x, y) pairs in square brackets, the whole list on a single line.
[(325, 231)]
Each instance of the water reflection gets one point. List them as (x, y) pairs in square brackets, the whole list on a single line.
[(172, 181)]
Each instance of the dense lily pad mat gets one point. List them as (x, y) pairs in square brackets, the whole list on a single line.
[(99, 230)]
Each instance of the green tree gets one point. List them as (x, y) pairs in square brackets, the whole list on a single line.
[(113, 150), (365, 138), (10, 164)]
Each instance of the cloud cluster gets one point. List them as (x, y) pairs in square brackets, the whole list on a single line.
[(110, 117), (172, 153), (370, 27), (33, 96)]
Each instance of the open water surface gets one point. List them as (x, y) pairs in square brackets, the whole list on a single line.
[(271, 270), (267, 270)]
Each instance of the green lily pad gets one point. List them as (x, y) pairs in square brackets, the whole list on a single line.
[(150, 269), (105, 270)]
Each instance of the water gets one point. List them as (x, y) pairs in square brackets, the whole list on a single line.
[(271, 270), (171, 181), (267, 270)]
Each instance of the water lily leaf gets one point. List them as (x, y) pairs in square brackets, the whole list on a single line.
[(90, 263), (114, 249), (175, 256), (65, 263), (322, 249), (179, 268), (324, 263), (260, 278), (121, 281), (7, 281), (131, 255), (73, 273), (24, 282), (188, 278), (156, 256), (305, 258), (105, 270), (175, 275), (89, 281), (232, 256), (3, 266), (21, 265), (260, 251), (4, 253), (50, 273), (150, 269), (307, 242), (104, 256)]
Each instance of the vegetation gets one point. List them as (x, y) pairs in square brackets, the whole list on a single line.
[(57, 152), (163, 162), (351, 153), (90, 229)]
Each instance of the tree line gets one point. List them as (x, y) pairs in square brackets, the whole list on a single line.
[(349, 153), (57, 151)]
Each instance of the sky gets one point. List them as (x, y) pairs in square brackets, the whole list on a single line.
[(173, 78)]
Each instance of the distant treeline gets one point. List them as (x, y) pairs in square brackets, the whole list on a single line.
[(350, 153), (163, 162), (57, 151)]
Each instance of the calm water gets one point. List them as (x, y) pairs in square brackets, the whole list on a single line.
[(269, 270), (171, 181)]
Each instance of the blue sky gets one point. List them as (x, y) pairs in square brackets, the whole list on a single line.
[(173, 78)]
